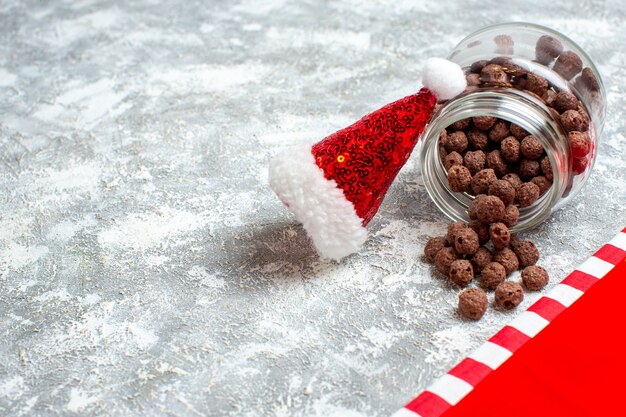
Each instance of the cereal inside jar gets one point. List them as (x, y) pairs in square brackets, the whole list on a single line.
[(525, 130)]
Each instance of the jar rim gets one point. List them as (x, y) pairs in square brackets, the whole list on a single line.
[(511, 105)]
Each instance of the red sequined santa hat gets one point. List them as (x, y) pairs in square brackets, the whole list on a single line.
[(336, 186)]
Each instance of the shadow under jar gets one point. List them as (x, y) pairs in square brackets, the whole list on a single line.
[(529, 55)]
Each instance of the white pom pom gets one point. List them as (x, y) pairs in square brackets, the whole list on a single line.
[(444, 78)]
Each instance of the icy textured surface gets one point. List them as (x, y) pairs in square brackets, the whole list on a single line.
[(145, 266)]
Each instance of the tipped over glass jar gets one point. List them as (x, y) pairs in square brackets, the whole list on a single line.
[(530, 81)]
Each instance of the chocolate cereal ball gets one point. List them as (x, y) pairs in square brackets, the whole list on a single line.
[(565, 100), (536, 84), (534, 277), (477, 140), (509, 295), (526, 194), (529, 168), (471, 210), (466, 241), (453, 228), (444, 259), (457, 141), (474, 161), (496, 162), (493, 74), (499, 235), (572, 120), (490, 209), (503, 190), (484, 122), (518, 132), (510, 149), (513, 179), (568, 64), (492, 275), (433, 246), (461, 272), (526, 252), (511, 215), (547, 48), (452, 159), (482, 230), (499, 131), (481, 259), (531, 147), (459, 178), (481, 181), (542, 182), (508, 259), (473, 303)]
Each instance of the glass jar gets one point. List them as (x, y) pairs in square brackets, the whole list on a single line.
[(520, 48)]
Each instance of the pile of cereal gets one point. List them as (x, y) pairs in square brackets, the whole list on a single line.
[(485, 250)]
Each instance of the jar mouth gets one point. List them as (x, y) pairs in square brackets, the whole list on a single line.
[(511, 105)]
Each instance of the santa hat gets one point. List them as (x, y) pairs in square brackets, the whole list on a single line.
[(336, 186)]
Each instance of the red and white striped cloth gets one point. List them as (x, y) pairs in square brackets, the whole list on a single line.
[(461, 382)]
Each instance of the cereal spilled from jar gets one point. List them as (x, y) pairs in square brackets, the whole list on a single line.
[(485, 252)]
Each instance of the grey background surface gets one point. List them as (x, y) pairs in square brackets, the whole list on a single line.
[(145, 266)]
